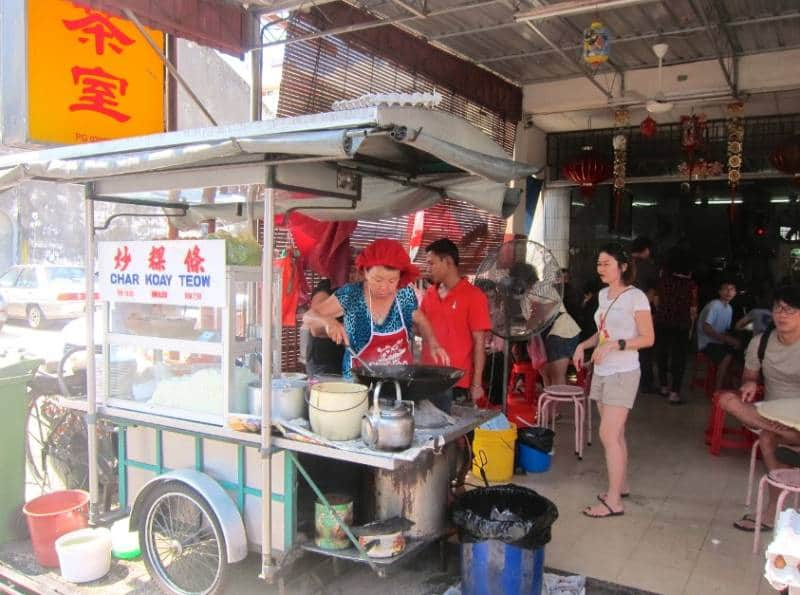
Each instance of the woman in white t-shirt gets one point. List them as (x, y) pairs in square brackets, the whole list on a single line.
[(624, 325)]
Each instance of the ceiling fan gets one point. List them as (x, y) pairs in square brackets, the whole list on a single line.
[(658, 104)]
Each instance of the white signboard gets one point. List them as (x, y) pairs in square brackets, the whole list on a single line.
[(177, 272)]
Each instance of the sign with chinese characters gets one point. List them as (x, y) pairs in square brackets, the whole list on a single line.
[(177, 272), (91, 76)]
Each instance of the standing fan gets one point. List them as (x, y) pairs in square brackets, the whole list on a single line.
[(523, 283)]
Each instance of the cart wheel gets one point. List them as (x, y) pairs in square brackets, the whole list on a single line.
[(181, 541)]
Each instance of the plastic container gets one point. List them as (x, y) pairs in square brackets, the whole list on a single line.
[(14, 377), (124, 543), (493, 451), (329, 535), (335, 409), (501, 569), (51, 516), (84, 555), (533, 460)]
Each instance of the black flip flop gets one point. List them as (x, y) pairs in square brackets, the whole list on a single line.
[(611, 511), (750, 519), (625, 495)]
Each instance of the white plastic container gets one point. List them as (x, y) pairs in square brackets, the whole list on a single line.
[(84, 555), (335, 409)]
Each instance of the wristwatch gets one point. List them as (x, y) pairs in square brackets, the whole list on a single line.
[(621, 344)]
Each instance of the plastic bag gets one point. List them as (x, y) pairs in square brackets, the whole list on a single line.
[(241, 249), (472, 514), (537, 437)]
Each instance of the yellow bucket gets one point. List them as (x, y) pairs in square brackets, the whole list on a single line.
[(494, 451)]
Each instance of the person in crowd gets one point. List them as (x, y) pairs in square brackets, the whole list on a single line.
[(379, 312), (645, 277), (323, 356), (674, 316), (774, 355), (624, 325), (713, 324), (758, 318), (459, 315), (560, 341)]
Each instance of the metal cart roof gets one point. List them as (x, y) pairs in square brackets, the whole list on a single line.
[(405, 158)]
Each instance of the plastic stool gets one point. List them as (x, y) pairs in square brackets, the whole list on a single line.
[(708, 382), (529, 375), (788, 482), (716, 431), (565, 393), (753, 457)]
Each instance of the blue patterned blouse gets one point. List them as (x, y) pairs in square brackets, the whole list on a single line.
[(357, 317)]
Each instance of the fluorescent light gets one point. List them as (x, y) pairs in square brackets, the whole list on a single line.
[(643, 203), (719, 201)]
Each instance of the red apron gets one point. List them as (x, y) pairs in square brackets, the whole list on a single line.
[(393, 348)]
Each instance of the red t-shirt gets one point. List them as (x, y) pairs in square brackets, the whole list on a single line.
[(463, 310)]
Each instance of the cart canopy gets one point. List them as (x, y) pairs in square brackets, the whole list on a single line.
[(366, 163)]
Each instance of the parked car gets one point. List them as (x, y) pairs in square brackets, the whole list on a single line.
[(42, 292)]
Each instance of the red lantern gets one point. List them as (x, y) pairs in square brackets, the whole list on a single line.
[(587, 170), (648, 127), (786, 157)]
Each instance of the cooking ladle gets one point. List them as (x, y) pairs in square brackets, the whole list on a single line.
[(354, 355)]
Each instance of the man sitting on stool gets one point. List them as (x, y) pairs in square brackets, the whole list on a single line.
[(779, 365)]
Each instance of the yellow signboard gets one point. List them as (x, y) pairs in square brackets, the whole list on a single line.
[(91, 76)]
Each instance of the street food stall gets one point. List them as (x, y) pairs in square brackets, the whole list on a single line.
[(198, 445)]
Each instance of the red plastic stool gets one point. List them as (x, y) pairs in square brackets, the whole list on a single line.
[(529, 375), (716, 432), (708, 381), (521, 411)]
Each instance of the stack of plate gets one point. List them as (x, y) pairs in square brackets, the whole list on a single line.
[(122, 375)]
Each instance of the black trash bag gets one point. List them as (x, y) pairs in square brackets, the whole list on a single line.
[(472, 514), (539, 438)]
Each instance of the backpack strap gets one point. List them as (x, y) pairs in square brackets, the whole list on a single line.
[(762, 344)]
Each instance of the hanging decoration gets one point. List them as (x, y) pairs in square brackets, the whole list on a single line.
[(620, 144), (596, 45), (587, 170), (735, 126), (786, 157), (693, 130), (701, 169), (648, 127)]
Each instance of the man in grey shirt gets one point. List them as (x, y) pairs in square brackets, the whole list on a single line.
[(780, 367)]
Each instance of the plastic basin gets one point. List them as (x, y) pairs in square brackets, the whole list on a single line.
[(84, 555), (51, 516)]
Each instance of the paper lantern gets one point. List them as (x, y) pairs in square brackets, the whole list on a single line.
[(648, 127), (786, 157), (596, 45), (587, 170)]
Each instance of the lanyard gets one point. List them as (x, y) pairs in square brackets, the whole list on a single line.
[(603, 333)]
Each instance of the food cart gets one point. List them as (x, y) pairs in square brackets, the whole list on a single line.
[(195, 486)]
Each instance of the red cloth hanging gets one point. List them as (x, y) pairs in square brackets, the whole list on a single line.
[(325, 245), (291, 276)]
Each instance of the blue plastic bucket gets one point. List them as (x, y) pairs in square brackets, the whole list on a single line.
[(533, 460), (496, 568)]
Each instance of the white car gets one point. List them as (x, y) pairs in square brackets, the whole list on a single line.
[(41, 292)]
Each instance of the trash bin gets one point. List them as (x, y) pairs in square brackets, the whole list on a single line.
[(503, 532), (534, 447), (14, 378)]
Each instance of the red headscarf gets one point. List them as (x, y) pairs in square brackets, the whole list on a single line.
[(391, 254)]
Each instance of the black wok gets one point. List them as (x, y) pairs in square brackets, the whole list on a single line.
[(417, 382)]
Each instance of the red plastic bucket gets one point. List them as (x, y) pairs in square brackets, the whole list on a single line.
[(51, 516)]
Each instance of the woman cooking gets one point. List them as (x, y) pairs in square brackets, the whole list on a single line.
[(379, 312)]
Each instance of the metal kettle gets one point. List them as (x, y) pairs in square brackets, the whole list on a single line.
[(388, 428)]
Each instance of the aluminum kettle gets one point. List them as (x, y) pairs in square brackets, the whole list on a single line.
[(388, 429)]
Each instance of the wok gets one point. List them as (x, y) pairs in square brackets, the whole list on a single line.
[(416, 381)]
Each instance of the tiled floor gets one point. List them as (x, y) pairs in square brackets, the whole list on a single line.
[(677, 534)]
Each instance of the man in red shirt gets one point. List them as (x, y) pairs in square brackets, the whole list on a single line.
[(459, 314)]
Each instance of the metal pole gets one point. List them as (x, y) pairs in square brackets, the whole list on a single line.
[(129, 14), (268, 568), (256, 114), (91, 385)]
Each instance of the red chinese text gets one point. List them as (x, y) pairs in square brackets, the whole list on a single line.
[(156, 260), (193, 261), (122, 259), (98, 25), (99, 92)]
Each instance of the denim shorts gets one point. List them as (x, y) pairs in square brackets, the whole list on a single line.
[(560, 348)]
